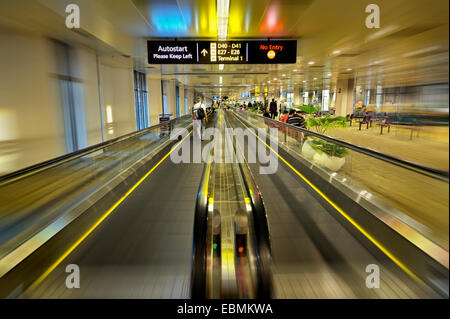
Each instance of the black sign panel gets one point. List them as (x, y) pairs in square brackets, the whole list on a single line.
[(222, 52), (272, 51), (168, 52)]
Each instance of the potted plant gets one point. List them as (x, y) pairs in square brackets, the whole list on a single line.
[(308, 109), (321, 152)]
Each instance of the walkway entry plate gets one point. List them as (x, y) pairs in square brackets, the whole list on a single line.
[(222, 52)]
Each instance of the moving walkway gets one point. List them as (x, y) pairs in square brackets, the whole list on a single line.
[(151, 228), (231, 244), (127, 231), (325, 237)]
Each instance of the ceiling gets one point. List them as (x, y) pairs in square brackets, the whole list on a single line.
[(410, 48)]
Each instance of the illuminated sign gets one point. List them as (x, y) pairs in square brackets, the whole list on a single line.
[(222, 52), (166, 52), (272, 51)]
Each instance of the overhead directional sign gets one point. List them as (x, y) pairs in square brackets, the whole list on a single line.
[(222, 52)]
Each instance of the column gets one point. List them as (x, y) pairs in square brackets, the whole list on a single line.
[(297, 97), (154, 98), (190, 96), (182, 104), (344, 97), (171, 97)]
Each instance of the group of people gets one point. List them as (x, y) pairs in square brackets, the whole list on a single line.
[(293, 117), (257, 104), (272, 110)]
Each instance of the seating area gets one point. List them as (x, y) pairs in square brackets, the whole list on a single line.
[(386, 123), (384, 120), (430, 147), (367, 120)]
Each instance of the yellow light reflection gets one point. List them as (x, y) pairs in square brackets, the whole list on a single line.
[(212, 14), (207, 16), (236, 19)]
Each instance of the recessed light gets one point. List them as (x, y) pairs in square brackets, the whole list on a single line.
[(336, 51), (275, 79), (329, 74), (315, 78), (295, 70), (283, 75), (349, 69), (304, 81), (311, 62)]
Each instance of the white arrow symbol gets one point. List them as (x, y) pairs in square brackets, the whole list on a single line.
[(204, 52)]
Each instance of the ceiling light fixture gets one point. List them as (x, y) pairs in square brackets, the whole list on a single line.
[(349, 69), (311, 62), (223, 9), (336, 51), (421, 51), (221, 67)]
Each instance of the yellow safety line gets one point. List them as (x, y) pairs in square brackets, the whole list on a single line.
[(353, 222), (72, 248)]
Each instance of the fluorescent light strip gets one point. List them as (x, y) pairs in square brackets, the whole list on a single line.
[(223, 9)]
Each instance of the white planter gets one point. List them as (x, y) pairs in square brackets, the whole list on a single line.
[(307, 151), (331, 162), (322, 159)]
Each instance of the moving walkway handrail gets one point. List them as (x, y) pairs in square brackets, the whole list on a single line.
[(85, 151), (261, 232), (416, 167), (198, 271), (261, 229)]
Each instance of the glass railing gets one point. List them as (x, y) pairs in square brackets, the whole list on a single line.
[(416, 194), (32, 198)]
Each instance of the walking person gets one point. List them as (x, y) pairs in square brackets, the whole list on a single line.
[(200, 118), (273, 109)]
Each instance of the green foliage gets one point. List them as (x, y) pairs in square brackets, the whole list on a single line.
[(254, 109), (323, 123), (328, 148), (308, 109)]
